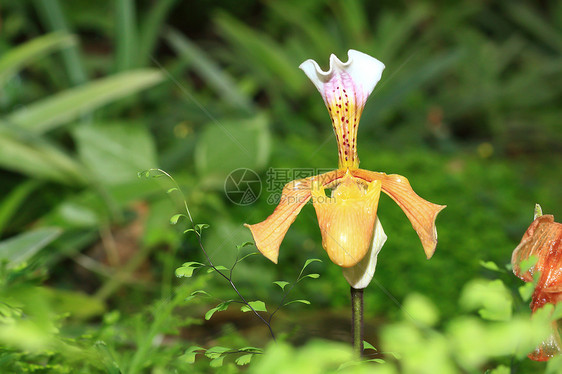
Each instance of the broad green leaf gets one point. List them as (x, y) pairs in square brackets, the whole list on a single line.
[(368, 345), (38, 159), (244, 359), (528, 263), (176, 217), (14, 59), (526, 291), (490, 265), (218, 268), (219, 308), (192, 264), (259, 306), (281, 284), (216, 362), (492, 299), (187, 269), (191, 352), (230, 145), (21, 248), (185, 272), (77, 304), (313, 276), (216, 351), (115, 152), (66, 106), (310, 261), (421, 309)]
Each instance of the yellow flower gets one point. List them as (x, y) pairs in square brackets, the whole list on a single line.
[(351, 232)]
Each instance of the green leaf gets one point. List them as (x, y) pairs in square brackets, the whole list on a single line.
[(528, 263), (187, 269), (298, 301), (250, 349), (150, 29), (490, 265), (526, 291), (245, 244), (68, 105), (189, 355), (217, 351), (281, 284), (259, 306), (219, 308), (9, 205), (313, 276), (244, 359), (216, 362), (126, 43), (201, 226), (54, 19), (310, 261), (210, 72), (200, 292), (218, 267), (173, 189), (37, 158), (368, 345), (21, 248), (14, 59), (230, 145), (175, 218), (185, 272), (115, 151), (492, 299)]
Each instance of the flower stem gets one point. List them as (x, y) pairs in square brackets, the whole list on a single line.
[(357, 320)]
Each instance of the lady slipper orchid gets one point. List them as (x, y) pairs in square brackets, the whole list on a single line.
[(543, 239), (351, 232)]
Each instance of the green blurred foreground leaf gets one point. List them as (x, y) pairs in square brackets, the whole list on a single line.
[(16, 58), (21, 248), (66, 106)]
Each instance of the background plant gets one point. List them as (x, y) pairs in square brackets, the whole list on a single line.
[(92, 93)]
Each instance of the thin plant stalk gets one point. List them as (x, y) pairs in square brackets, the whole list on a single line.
[(357, 331)]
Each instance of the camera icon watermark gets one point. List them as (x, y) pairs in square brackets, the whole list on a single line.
[(242, 186)]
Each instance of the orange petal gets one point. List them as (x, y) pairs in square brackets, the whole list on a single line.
[(541, 240), (549, 347), (420, 212), (269, 234), (347, 219)]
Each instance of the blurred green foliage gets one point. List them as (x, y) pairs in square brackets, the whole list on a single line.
[(93, 92)]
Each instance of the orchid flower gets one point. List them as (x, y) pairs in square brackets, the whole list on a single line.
[(543, 239), (351, 232)]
